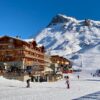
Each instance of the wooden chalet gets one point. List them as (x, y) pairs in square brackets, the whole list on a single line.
[(20, 53), (62, 63), (60, 60)]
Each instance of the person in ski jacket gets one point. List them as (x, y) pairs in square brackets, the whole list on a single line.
[(78, 76), (67, 82), (28, 80)]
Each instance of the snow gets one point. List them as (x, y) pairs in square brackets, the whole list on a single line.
[(73, 32), (72, 38), (16, 90), (70, 18), (91, 61), (39, 45), (28, 40)]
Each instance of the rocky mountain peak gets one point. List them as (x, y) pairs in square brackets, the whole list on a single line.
[(59, 18), (71, 38)]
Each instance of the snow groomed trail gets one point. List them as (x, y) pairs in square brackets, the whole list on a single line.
[(16, 90)]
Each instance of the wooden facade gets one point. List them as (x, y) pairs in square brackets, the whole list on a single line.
[(60, 60), (62, 63), (19, 53)]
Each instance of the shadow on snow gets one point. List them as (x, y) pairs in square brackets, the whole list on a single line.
[(92, 96)]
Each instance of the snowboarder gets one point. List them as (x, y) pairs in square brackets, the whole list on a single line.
[(67, 81)]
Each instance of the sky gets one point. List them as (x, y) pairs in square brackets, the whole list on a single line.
[(26, 18)]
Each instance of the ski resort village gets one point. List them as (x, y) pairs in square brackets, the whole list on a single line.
[(18, 58), (61, 63), (49, 50)]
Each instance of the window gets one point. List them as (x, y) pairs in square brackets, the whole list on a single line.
[(11, 40), (10, 46)]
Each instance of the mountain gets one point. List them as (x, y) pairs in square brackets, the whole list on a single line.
[(72, 38)]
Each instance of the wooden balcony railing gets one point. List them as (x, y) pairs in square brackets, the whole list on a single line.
[(34, 57), (33, 50)]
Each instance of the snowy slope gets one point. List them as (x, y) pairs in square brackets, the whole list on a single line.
[(71, 38), (16, 90)]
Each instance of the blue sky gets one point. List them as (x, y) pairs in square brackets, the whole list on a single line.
[(27, 17)]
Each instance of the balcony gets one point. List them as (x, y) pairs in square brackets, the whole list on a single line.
[(4, 43), (29, 56), (33, 57), (32, 50), (10, 49)]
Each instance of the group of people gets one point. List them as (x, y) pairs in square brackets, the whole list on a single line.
[(66, 78), (30, 78)]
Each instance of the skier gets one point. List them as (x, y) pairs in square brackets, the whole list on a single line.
[(28, 81), (67, 81), (78, 76)]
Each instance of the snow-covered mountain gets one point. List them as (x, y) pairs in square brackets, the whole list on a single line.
[(69, 37)]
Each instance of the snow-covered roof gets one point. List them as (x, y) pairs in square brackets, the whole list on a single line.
[(29, 40), (39, 45), (13, 38)]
